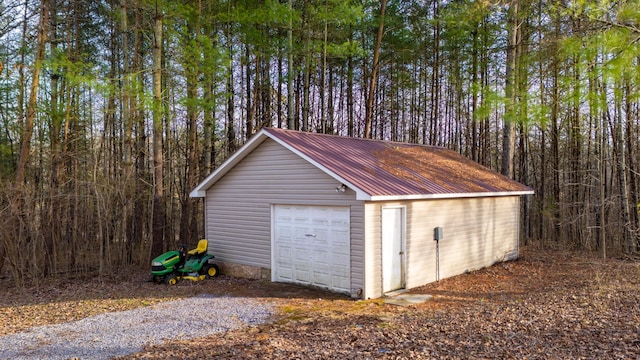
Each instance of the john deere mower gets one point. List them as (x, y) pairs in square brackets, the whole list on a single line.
[(176, 265)]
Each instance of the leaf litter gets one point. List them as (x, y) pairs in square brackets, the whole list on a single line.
[(545, 305)]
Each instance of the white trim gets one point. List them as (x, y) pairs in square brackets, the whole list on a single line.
[(273, 242), (518, 226), (446, 196)]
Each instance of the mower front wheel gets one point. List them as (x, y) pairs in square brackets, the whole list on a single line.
[(211, 270), (157, 279), (171, 279)]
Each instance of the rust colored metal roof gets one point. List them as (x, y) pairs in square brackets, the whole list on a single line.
[(384, 169)]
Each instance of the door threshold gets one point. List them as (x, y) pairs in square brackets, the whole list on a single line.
[(395, 292)]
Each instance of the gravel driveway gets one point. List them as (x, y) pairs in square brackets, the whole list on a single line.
[(125, 332)]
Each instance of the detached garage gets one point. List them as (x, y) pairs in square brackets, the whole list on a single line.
[(357, 216)]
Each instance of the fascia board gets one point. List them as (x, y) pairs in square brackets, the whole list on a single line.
[(448, 196)]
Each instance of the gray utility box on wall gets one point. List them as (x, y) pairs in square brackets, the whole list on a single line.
[(438, 233)]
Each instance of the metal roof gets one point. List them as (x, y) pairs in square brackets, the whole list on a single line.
[(384, 170)]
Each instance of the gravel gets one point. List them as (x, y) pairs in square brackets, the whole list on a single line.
[(126, 332)]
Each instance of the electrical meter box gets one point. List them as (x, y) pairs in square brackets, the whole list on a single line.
[(438, 233)]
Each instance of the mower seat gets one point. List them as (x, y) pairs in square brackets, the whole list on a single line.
[(201, 249)]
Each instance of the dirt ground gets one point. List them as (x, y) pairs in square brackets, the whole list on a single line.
[(546, 305)]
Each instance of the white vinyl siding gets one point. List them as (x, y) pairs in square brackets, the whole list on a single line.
[(478, 232), (238, 206)]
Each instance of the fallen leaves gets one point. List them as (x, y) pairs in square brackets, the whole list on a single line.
[(547, 305)]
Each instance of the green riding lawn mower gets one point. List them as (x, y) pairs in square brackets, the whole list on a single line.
[(176, 265)]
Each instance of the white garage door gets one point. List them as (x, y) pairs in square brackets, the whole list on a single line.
[(311, 246)]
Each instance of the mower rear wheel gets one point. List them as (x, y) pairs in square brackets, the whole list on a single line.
[(171, 279), (211, 270)]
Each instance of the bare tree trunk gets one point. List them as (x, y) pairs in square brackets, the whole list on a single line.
[(126, 89), (631, 112), (509, 137), (52, 215), (266, 116), (127, 118), (323, 81), (629, 244), (188, 233), (350, 101), (555, 142), (602, 230), (16, 231), (435, 91), (290, 110), (374, 73), (474, 96), (330, 108), (230, 128), (27, 131), (250, 112), (141, 209), (209, 114), (157, 243), (307, 85)]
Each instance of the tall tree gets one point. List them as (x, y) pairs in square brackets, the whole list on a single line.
[(16, 233), (290, 73), (190, 38), (511, 76), (368, 122), (157, 242)]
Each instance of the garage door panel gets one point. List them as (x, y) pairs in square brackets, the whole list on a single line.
[(299, 234), (286, 215), (340, 284), (322, 279), (284, 253), (284, 232), (298, 219), (339, 259), (286, 272), (315, 242), (322, 258), (340, 270), (319, 215), (319, 222), (340, 236), (339, 222), (302, 255), (302, 277), (319, 235), (340, 280), (301, 259)]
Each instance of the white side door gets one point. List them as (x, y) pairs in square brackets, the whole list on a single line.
[(393, 243)]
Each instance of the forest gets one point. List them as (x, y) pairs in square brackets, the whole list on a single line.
[(111, 111)]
